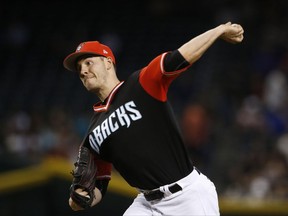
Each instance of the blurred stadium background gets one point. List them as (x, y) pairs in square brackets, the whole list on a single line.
[(232, 104)]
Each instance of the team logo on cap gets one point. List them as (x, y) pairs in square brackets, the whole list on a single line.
[(105, 52), (80, 47)]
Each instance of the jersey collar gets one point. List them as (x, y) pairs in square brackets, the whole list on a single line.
[(100, 107)]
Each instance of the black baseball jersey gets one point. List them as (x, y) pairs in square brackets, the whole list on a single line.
[(135, 129)]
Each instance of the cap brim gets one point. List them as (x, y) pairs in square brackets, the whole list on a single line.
[(70, 61)]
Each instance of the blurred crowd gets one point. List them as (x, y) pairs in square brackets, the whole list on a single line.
[(232, 105)]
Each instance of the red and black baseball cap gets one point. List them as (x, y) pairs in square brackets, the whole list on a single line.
[(88, 47)]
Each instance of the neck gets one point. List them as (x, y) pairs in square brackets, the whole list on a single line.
[(105, 92)]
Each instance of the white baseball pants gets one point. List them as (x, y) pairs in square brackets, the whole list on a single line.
[(198, 197)]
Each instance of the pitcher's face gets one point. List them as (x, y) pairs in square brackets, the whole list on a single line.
[(92, 72)]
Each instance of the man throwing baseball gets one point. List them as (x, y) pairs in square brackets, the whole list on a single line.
[(133, 128)]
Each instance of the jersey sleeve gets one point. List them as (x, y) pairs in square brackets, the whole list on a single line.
[(104, 169), (155, 80), (103, 175)]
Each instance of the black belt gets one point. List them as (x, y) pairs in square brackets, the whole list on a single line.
[(157, 194)]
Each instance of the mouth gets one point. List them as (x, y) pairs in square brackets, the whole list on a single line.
[(87, 78)]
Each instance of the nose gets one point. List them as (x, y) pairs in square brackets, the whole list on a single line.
[(82, 72)]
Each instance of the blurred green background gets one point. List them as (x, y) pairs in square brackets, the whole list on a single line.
[(231, 104)]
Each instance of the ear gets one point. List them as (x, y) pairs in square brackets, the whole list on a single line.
[(109, 63)]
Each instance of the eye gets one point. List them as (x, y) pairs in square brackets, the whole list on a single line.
[(88, 62)]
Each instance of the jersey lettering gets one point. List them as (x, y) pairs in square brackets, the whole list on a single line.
[(123, 116), (97, 134), (105, 129), (135, 113), (115, 126), (93, 143)]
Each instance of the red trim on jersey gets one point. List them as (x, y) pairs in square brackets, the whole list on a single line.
[(102, 108), (155, 80), (104, 169)]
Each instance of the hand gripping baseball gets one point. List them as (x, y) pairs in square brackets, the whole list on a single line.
[(84, 178), (233, 33)]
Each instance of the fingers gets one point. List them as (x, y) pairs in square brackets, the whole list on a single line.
[(237, 34), (233, 39), (234, 25), (236, 39), (233, 33), (240, 38), (237, 28), (73, 205), (81, 192)]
